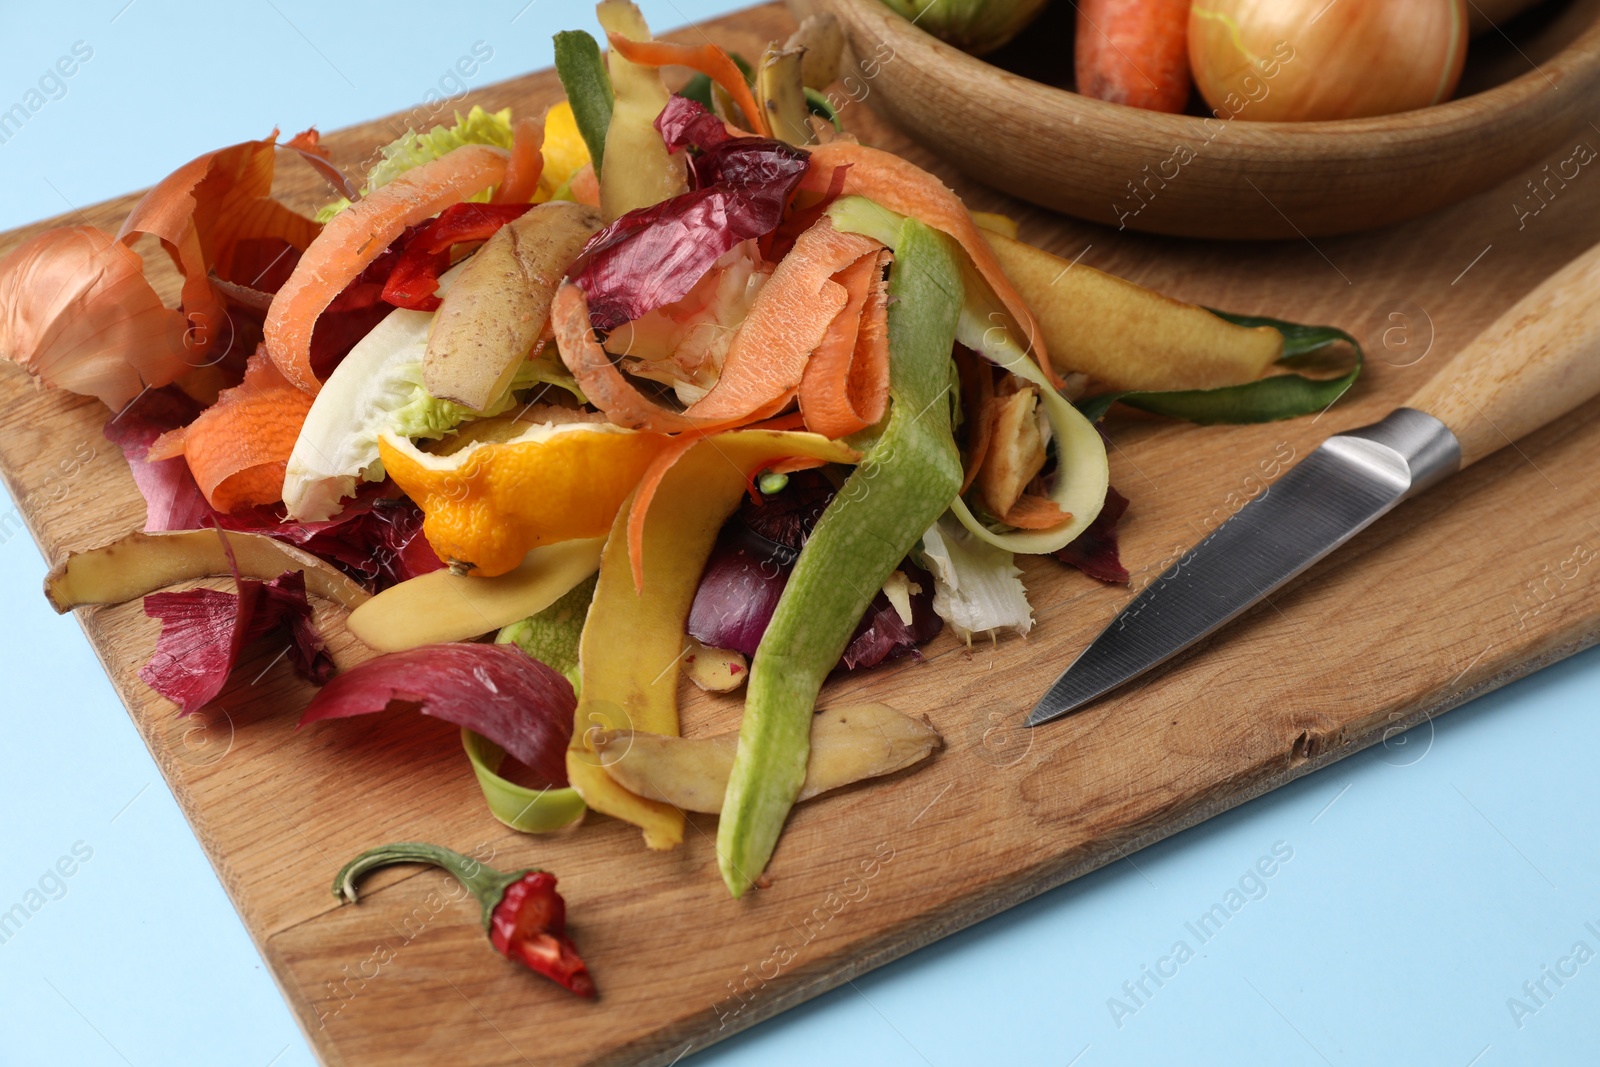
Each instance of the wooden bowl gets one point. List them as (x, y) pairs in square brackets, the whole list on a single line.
[(1520, 105)]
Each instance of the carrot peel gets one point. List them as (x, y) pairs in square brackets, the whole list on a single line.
[(907, 189), (764, 365), (707, 59), (1036, 513), (526, 165), (239, 447), (788, 320), (360, 234), (845, 385)]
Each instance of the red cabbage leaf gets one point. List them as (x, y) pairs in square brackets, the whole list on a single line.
[(1094, 552), (204, 631), (653, 256), (377, 538), (497, 691), (750, 565)]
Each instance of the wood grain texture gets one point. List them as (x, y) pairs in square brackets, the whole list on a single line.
[(1228, 178), (1454, 594), (1533, 365)]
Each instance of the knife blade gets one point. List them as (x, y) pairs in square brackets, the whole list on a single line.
[(1539, 361)]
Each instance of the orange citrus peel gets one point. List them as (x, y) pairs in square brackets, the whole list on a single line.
[(487, 505)]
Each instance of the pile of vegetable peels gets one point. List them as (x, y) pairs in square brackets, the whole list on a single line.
[(653, 384)]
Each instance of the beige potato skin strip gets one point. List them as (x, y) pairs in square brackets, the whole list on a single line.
[(440, 606), (822, 40), (848, 745), (646, 173), (141, 563), (1125, 335), (781, 92), (493, 315), (716, 670)]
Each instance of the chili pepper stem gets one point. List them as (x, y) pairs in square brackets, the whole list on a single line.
[(483, 882)]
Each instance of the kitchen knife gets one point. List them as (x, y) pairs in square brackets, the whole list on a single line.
[(1540, 360)]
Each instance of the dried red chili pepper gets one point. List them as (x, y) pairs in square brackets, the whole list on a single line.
[(525, 917)]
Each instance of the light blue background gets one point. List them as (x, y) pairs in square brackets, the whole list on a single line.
[(1430, 878)]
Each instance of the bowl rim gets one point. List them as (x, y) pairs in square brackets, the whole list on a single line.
[(1467, 112)]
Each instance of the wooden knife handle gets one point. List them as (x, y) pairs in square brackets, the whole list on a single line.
[(1537, 362)]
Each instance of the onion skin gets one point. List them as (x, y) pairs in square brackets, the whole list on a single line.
[(1310, 61)]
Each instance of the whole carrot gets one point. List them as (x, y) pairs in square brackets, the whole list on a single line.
[(1134, 52)]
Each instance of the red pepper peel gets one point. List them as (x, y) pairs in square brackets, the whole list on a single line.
[(529, 926), (525, 917)]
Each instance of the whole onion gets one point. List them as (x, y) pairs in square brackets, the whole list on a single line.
[(975, 26), (1312, 60)]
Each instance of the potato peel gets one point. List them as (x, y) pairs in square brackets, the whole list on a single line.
[(848, 745), (441, 606), (141, 563)]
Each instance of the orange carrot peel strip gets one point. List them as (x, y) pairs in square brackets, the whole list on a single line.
[(905, 188), (845, 386), (357, 236), (598, 377), (1036, 513), (613, 394), (526, 165), (681, 444), (238, 448), (788, 320), (646, 493), (708, 59), (766, 362)]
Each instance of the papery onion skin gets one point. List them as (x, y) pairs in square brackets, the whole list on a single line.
[(204, 632), (1311, 61), (77, 313), (201, 211)]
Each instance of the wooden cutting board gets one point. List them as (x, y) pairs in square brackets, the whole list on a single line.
[(1481, 581)]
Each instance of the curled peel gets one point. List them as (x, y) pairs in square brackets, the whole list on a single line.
[(77, 313), (632, 643), (907, 189), (848, 745), (357, 236), (141, 563)]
